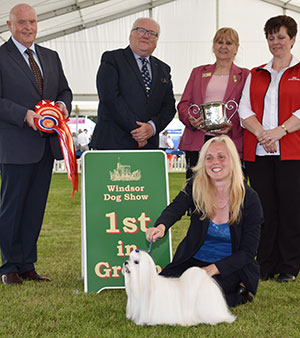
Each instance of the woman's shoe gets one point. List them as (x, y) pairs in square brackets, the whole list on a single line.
[(246, 295)]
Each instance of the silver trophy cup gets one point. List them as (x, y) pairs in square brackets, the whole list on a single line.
[(214, 114)]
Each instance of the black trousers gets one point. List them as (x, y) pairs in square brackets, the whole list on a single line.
[(24, 192), (278, 186), (229, 284), (191, 159)]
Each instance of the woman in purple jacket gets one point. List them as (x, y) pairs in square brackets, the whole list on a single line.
[(221, 81)]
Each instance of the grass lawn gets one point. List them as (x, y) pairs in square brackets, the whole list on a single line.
[(62, 309)]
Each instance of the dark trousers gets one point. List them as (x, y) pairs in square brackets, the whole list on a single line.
[(191, 159), (229, 284), (24, 192), (278, 186)]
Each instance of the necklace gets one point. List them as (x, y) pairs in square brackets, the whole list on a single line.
[(222, 75)]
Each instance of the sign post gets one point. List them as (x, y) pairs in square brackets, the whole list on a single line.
[(123, 193)]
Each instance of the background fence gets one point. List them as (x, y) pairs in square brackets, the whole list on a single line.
[(175, 164)]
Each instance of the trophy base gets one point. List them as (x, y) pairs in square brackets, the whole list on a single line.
[(214, 127)]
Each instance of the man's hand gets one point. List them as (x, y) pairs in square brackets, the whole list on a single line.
[(142, 133), (29, 118), (63, 108), (142, 144)]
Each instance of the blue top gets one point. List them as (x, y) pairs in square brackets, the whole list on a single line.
[(217, 244)]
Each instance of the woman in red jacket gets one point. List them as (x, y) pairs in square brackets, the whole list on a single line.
[(221, 81), (270, 112)]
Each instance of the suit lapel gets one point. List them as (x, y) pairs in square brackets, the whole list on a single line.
[(21, 64), (154, 71), (43, 62), (233, 81), (133, 64), (206, 75)]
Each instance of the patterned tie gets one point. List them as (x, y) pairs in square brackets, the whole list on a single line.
[(146, 75), (35, 69)]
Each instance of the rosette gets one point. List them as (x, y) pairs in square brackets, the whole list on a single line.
[(52, 121)]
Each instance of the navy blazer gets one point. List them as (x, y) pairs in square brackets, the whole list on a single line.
[(244, 235), (20, 144), (123, 100)]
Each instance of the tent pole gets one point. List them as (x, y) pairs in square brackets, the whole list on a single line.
[(217, 15)]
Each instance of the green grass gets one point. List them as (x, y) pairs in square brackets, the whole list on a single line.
[(62, 309)]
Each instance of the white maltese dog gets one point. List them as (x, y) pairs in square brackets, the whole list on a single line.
[(192, 299)]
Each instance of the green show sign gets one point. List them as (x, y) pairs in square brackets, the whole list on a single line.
[(123, 193)]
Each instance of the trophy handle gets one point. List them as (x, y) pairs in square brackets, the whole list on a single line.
[(230, 105), (193, 110)]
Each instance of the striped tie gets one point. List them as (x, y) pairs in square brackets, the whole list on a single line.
[(146, 75), (35, 69)]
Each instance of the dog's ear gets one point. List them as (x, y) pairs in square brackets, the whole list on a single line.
[(147, 275)]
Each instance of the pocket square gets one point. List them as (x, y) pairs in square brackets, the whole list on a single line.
[(164, 80)]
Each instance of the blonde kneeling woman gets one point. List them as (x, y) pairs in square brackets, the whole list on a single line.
[(224, 226)]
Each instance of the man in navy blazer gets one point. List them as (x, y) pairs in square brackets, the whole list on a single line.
[(26, 157), (130, 115)]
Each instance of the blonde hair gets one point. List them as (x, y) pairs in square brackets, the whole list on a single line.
[(231, 33), (204, 190)]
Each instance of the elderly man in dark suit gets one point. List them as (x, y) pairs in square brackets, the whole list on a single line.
[(135, 92), (28, 73)]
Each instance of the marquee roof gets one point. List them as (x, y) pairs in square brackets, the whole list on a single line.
[(81, 30), (62, 17)]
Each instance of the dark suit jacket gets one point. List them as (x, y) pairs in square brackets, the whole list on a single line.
[(244, 236), (123, 100), (20, 144)]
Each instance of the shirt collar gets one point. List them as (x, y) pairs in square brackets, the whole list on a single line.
[(21, 47), (137, 57), (268, 66)]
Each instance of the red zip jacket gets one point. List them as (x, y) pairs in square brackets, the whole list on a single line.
[(288, 102)]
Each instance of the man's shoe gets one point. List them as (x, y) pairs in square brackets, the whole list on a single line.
[(285, 277), (33, 275), (11, 278)]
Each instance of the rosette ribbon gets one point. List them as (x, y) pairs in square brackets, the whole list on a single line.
[(53, 121)]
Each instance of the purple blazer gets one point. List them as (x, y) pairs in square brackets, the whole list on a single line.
[(194, 93)]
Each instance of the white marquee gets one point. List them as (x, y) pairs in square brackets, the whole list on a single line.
[(82, 30)]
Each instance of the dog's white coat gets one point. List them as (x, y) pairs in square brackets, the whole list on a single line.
[(192, 299)]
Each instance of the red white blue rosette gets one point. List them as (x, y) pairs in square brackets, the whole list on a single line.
[(53, 120)]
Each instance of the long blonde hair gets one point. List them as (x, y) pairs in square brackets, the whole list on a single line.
[(204, 190)]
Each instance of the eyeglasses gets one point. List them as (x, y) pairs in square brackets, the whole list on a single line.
[(142, 32)]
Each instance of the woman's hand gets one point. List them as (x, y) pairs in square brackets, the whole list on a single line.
[(268, 138), (211, 270), (155, 233), (272, 135), (197, 123), (224, 130)]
